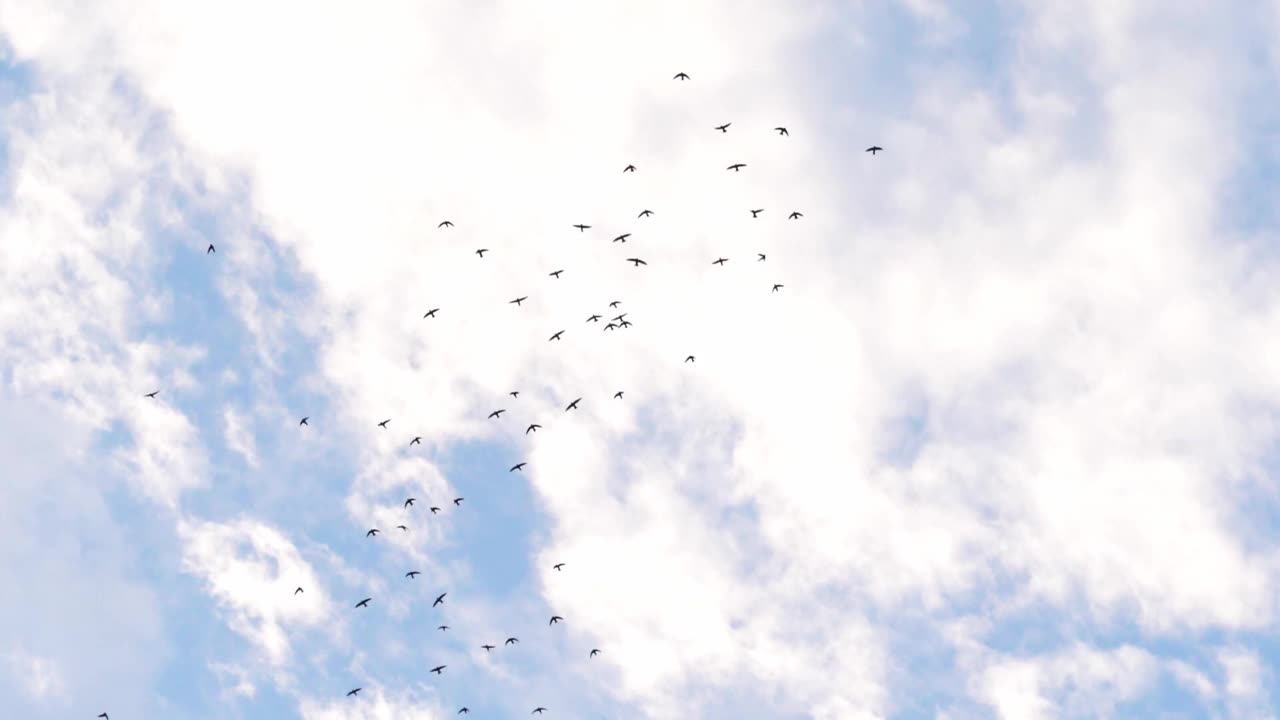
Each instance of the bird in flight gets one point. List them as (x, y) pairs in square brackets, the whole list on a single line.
[(152, 395), (617, 395), (354, 692), (511, 641), (416, 441), (555, 274), (482, 251), (782, 131), (777, 287), (439, 669), (458, 501), (487, 648), (557, 566), (760, 256), (874, 149), (439, 600), (431, 313), (736, 167), (518, 300), (402, 528), (532, 428), (514, 393), (573, 405), (372, 532), (556, 336), (594, 652), (463, 711), (689, 359), (410, 502), (645, 213), (555, 619), (720, 261), (210, 249), (538, 711), (295, 592), (434, 509), (724, 128), (622, 238), (637, 261), (104, 715), (517, 466), (582, 228), (795, 216), (680, 76), (497, 413), (615, 303), (442, 628), (594, 318), (756, 213), (363, 603), (629, 168), (412, 574), (620, 317), (445, 223), (304, 421), (627, 323), (611, 326), (383, 424)]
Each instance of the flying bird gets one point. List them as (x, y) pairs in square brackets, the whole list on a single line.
[(573, 405), (104, 715), (463, 711), (637, 261), (458, 501), (363, 603), (622, 238), (724, 128), (431, 313), (532, 428), (497, 413), (482, 251), (555, 619), (517, 302), (295, 592), (795, 216), (689, 359), (416, 441), (487, 648), (620, 317), (627, 323), (594, 318), (610, 326), (410, 502), (412, 574), (582, 228), (557, 566), (594, 652), (445, 223), (210, 249), (760, 256), (615, 303), (383, 424), (304, 421), (152, 395), (736, 167), (555, 274), (439, 669), (782, 131), (756, 213), (434, 509), (511, 641), (538, 711), (645, 213), (442, 628), (514, 393), (629, 168), (777, 287), (372, 532), (874, 149), (402, 527), (439, 600), (720, 261), (556, 336), (680, 76), (617, 395), (517, 466), (354, 692)]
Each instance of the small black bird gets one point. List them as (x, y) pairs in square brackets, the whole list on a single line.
[(795, 216), (517, 466), (573, 405), (782, 131), (611, 326), (439, 669), (760, 256), (777, 287), (594, 652), (416, 441), (372, 532), (431, 313), (617, 395), (434, 509), (629, 168), (736, 167), (582, 228), (555, 274), (383, 424), (497, 413), (627, 323), (304, 421), (152, 395), (622, 238), (538, 711), (295, 592), (689, 359), (487, 648), (442, 628), (720, 261), (458, 501), (756, 213), (482, 251), (555, 619), (724, 128), (532, 428), (594, 318), (615, 303), (514, 393), (104, 715), (402, 528), (463, 711), (874, 149), (645, 213), (556, 336), (210, 249), (511, 641), (354, 692), (619, 318), (412, 574), (557, 566), (637, 261), (439, 600), (446, 223), (363, 603), (410, 501), (518, 300), (680, 76)]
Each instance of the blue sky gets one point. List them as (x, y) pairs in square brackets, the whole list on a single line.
[(1000, 448)]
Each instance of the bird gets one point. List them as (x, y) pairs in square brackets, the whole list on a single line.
[(555, 619), (556, 336), (416, 441), (557, 566), (795, 216), (760, 257), (410, 502), (304, 421), (689, 359), (615, 303), (538, 711), (463, 711), (573, 405), (152, 395), (439, 600), (777, 287), (874, 149), (487, 648), (434, 509), (724, 128), (736, 167), (619, 318), (720, 261), (637, 261), (514, 393), (458, 501), (594, 652), (439, 669), (532, 428), (354, 692), (582, 228), (402, 527), (782, 131), (511, 641), (431, 313), (104, 715), (442, 628), (445, 223), (645, 213), (210, 249), (617, 395), (622, 238), (412, 574), (680, 76), (610, 326), (629, 168), (555, 274), (482, 251), (517, 466), (295, 592), (517, 302), (363, 603), (627, 323), (372, 532), (756, 213), (594, 318), (383, 424), (497, 413)]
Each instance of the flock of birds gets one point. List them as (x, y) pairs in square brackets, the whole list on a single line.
[(616, 322)]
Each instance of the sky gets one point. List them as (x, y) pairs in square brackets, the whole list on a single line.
[(1001, 446)]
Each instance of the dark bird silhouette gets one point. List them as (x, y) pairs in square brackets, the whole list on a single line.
[(594, 652), (372, 532), (532, 428), (487, 648), (511, 641), (556, 336), (458, 501), (736, 167), (594, 318), (410, 502), (777, 287), (210, 249), (517, 302), (555, 619), (645, 213), (152, 395), (619, 318), (439, 669), (514, 393), (431, 313), (363, 603), (680, 76), (463, 711), (555, 274), (795, 216), (442, 628), (295, 592), (482, 251), (582, 228), (617, 395), (622, 238), (104, 715), (760, 257), (497, 413), (573, 405), (615, 303), (434, 509), (304, 421), (874, 149), (538, 711), (416, 441), (637, 261), (412, 574), (517, 466), (720, 261), (557, 566), (782, 131), (354, 692), (724, 128), (629, 168), (756, 213), (689, 359), (611, 326), (446, 223), (402, 527), (439, 600), (383, 424), (626, 323)]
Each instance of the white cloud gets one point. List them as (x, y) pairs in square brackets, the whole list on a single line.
[(1078, 682), (239, 437), (39, 677), (373, 704)]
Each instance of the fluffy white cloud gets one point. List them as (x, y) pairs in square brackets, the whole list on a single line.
[(39, 677), (1079, 682)]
